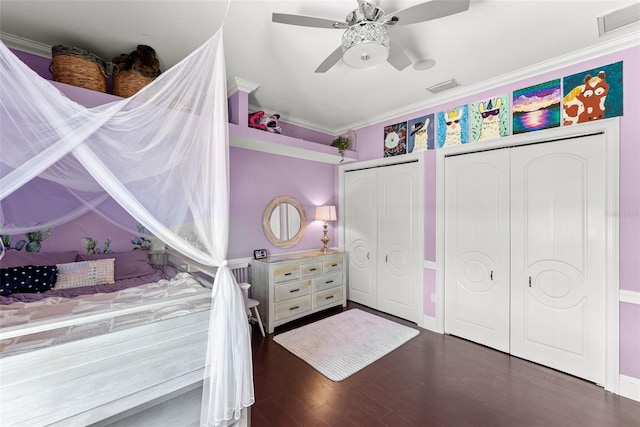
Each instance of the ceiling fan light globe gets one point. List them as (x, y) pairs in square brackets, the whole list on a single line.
[(365, 55), (365, 45)]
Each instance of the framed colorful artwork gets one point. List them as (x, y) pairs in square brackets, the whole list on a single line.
[(453, 126), (395, 139), (420, 134), (592, 95), (537, 107), (490, 118)]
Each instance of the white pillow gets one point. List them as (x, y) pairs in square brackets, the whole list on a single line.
[(85, 273)]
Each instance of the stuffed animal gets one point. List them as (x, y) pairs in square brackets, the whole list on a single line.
[(143, 60), (269, 123), (254, 120)]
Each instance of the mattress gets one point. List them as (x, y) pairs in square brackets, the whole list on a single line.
[(27, 326)]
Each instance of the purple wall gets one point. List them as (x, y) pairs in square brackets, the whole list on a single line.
[(68, 237), (256, 179), (370, 141), (37, 63)]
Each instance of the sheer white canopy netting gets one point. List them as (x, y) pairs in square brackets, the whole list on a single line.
[(162, 155)]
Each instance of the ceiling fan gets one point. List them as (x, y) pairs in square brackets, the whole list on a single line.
[(365, 42)]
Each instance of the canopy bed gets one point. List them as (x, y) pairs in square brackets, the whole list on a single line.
[(161, 157)]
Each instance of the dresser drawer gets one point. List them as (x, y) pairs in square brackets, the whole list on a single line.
[(311, 269), (292, 307), (327, 297), (333, 264), (284, 274), (292, 290), (327, 281)]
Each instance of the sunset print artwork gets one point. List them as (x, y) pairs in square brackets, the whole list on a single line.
[(537, 107)]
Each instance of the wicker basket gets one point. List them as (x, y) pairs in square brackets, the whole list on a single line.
[(128, 82), (80, 68)]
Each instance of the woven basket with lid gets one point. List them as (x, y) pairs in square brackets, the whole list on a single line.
[(79, 67), (128, 82)]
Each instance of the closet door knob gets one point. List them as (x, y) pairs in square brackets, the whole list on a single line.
[(529, 281), (491, 275)]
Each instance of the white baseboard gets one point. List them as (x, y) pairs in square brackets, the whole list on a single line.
[(429, 323), (630, 387)]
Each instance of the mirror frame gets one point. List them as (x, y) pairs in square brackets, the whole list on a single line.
[(266, 222)]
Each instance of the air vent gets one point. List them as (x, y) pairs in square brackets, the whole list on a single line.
[(618, 19), (441, 87)]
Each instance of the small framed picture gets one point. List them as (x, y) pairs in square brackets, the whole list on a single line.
[(260, 253)]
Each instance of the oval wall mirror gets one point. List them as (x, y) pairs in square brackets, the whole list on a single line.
[(284, 221)]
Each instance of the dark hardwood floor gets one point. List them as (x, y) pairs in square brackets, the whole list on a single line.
[(432, 380)]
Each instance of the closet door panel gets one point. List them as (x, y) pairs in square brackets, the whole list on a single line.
[(477, 247), (558, 252), (397, 240), (361, 227)]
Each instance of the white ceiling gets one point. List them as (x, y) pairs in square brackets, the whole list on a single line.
[(494, 39)]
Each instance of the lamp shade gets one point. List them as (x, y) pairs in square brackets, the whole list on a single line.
[(326, 213)]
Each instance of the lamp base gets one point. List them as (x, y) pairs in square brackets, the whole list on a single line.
[(325, 238)]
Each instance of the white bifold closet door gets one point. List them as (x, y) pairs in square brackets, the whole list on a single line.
[(361, 231), (558, 244), (477, 247), (381, 210), (525, 252)]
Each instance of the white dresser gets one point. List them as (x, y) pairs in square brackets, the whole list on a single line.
[(290, 286)]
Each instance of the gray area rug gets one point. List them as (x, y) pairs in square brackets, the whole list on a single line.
[(343, 344)]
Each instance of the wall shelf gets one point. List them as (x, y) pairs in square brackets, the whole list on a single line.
[(240, 136), (267, 142)]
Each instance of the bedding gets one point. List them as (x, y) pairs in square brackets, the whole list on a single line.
[(94, 314), (80, 274), (86, 290), (127, 264)]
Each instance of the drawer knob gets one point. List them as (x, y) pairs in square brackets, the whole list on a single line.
[(294, 308), (287, 274), (312, 269), (294, 290), (334, 265), (329, 297), (328, 281)]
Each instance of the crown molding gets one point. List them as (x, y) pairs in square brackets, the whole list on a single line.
[(236, 84), (26, 45), (608, 47)]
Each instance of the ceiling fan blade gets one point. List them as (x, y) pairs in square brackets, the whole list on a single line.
[(397, 57), (427, 11), (331, 60), (307, 21)]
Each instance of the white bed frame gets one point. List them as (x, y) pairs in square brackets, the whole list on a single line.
[(121, 378)]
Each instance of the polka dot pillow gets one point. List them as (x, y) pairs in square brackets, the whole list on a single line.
[(27, 279)]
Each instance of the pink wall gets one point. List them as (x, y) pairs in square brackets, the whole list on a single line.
[(370, 147)]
